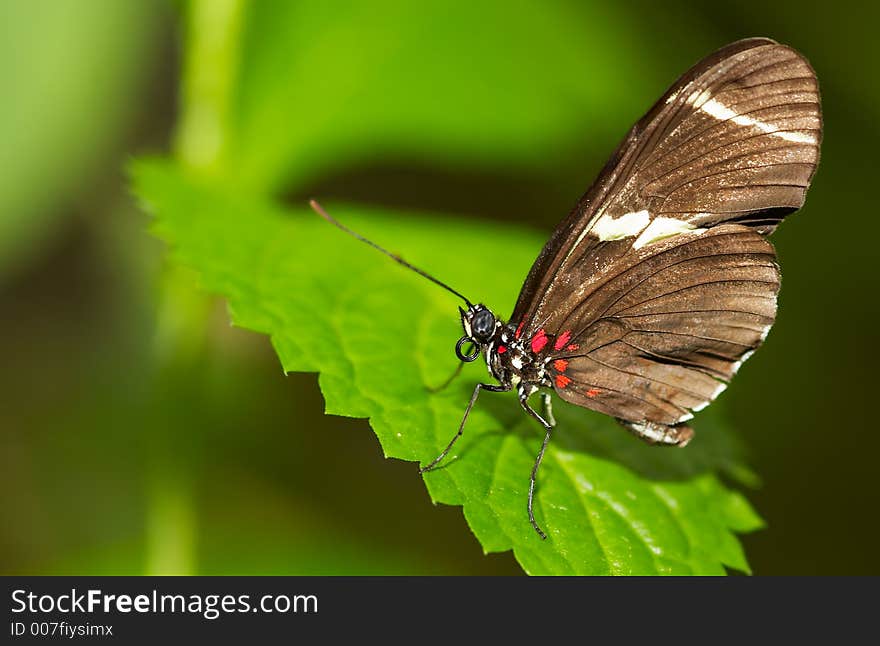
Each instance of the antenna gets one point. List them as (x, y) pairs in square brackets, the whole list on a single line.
[(320, 211)]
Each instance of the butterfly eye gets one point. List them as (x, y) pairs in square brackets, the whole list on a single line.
[(483, 326)]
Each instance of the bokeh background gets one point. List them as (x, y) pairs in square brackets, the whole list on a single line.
[(122, 452)]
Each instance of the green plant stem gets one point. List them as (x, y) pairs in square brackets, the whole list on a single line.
[(171, 529), (210, 66), (179, 348), (212, 43)]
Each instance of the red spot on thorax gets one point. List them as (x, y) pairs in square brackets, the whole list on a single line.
[(564, 338), (592, 392), (562, 381), (502, 349), (519, 329), (573, 347), (539, 341), (560, 365)]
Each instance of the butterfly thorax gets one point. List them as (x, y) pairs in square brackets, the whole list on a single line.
[(509, 359), (512, 361)]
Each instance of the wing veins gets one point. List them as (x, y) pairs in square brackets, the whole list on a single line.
[(633, 316), (675, 264), (646, 377), (693, 336), (727, 87), (709, 372), (764, 68), (733, 143), (734, 170), (718, 123), (604, 313), (731, 170), (709, 282)]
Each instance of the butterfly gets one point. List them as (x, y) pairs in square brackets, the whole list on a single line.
[(661, 282)]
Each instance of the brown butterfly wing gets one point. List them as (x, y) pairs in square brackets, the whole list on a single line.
[(669, 326), (660, 282), (735, 139)]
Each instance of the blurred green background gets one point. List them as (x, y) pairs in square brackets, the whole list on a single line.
[(140, 433)]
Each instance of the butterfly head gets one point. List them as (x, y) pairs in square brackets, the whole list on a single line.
[(480, 327)]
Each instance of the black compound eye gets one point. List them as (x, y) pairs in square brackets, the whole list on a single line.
[(483, 325)]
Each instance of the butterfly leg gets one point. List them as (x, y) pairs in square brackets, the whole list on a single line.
[(449, 380), (678, 435), (548, 408), (548, 427), (493, 388)]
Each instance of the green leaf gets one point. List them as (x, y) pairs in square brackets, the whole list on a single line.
[(378, 335)]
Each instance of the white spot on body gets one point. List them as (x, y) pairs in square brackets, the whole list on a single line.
[(720, 111), (662, 228), (526, 389)]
